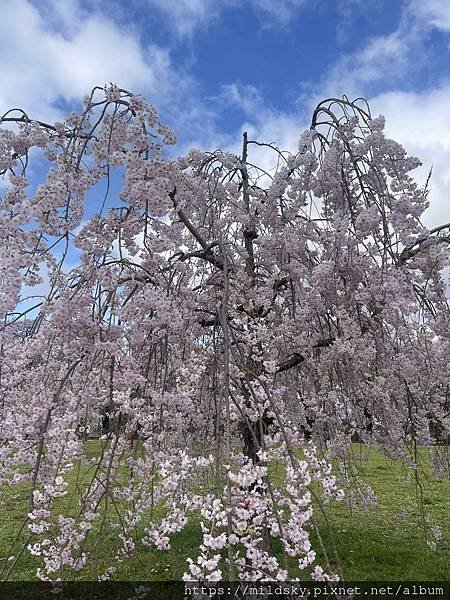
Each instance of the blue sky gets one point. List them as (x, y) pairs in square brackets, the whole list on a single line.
[(216, 68)]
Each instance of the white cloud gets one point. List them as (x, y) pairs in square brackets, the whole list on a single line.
[(186, 17), (380, 61), (385, 57), (42, 65), (387, 61), (278, 12), (432, 13), (418, 120), (263, 124), (55, 54), (421, 122), (247, 98)]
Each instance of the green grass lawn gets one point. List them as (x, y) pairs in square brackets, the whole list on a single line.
[(385, 542)]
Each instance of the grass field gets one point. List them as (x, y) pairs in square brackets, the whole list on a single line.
[(385, 542)]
